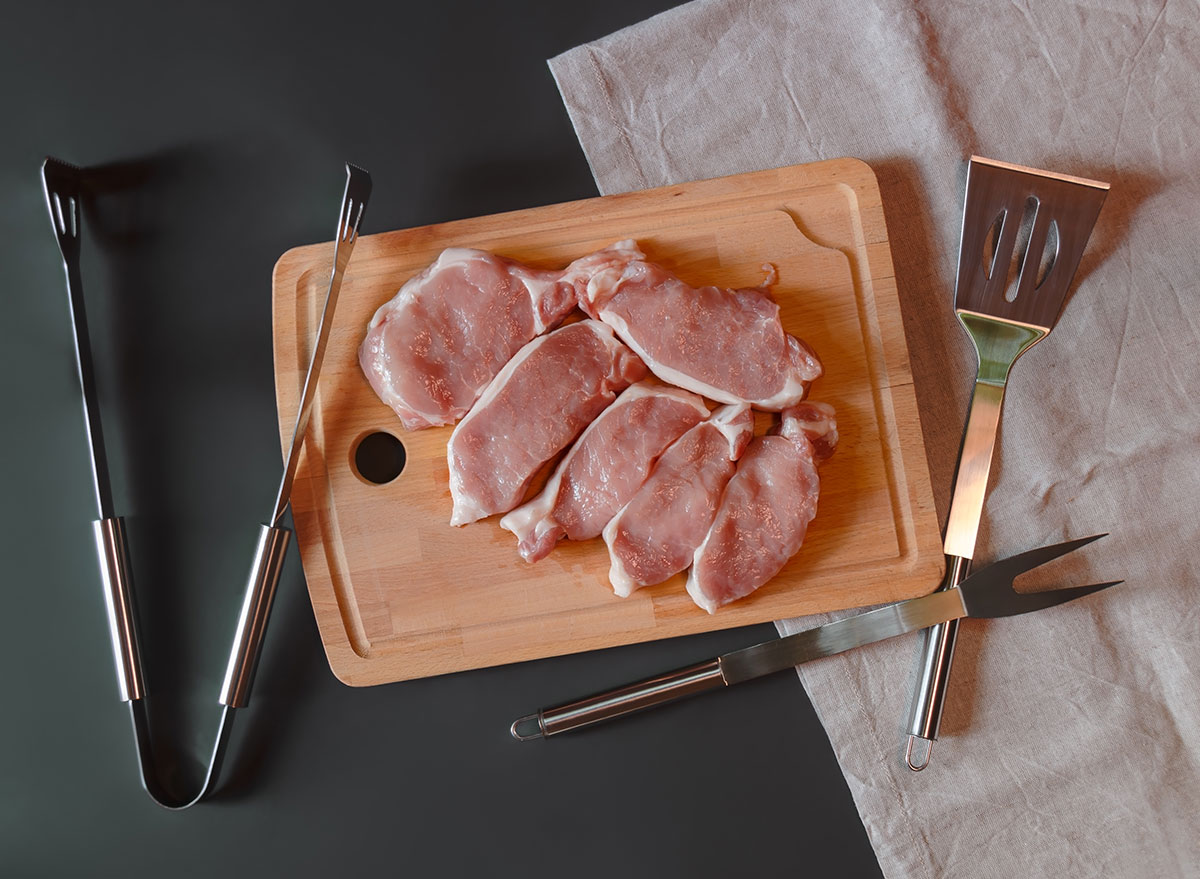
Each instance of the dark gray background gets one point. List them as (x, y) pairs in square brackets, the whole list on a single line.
[(216, 135)]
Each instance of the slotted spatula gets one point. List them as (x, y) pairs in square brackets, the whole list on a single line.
[(1023, 234)]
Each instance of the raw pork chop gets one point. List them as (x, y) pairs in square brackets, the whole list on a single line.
[(604, 468), (728, 345), (654, 536), (766, 509), (432, 349), (535, 406)]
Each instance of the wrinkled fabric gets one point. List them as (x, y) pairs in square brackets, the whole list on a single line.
[(1070, 744)]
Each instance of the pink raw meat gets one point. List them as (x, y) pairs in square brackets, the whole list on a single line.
[(433, 348), (535, 406), (604, 467), (654, 536), (728, 345), (766, 509)]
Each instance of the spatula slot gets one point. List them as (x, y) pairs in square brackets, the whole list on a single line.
[(1021, 248), (1049, 253), (991, 242), (58, 215)]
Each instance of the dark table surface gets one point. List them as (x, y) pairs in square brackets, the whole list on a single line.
[(215, 135)]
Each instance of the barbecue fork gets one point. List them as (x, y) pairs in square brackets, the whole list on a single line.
[(985, 594)]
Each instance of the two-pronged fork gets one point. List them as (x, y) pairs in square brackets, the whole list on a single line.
[(985, 594)]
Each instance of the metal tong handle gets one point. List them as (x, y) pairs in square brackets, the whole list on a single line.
[(269, 555), (63, 192), (62, 185), (271, 550)]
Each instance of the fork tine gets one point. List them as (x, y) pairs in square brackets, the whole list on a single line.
[(1013, 566), (1027, 602), (989, 592)]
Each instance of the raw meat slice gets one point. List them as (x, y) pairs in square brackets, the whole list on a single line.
[(535, 406), (766, 509), (604, 467), (814, 422), (728, 345), (430, 351), (654, 536)]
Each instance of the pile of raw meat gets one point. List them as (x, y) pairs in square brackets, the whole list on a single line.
[(669, 485)]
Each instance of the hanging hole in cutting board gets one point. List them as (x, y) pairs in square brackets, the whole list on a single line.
[(379, 457)]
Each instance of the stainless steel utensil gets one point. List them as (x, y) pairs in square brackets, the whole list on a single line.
[(1023, 234), (62, 185), (273, 538), (985, 594)]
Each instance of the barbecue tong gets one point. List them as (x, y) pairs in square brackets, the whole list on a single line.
[(987, 593), (63, 185)]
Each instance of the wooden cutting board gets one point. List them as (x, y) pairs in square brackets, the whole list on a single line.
[(400, 594)]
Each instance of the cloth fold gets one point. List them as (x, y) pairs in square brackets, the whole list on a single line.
[(1071, 740)]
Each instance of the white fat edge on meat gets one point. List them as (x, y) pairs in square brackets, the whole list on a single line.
[(693, 589), (622, 584), (793, 391), (736, 430), (666, 373), (403, 408), (820, 432), (466, 509), (411, 417), (603, 286), (538, 289), (373, 364), (409, 289), (536, 517), (621, 253), (602, 271), (406, 297), (790, 394), (692, 586), (801, 433)]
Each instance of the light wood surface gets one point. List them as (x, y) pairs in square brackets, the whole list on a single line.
[(400, 594)]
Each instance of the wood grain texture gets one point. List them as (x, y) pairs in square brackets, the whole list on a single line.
[(399, 594)]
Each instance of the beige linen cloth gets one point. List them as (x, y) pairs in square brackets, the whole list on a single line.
[(1071, 742)]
